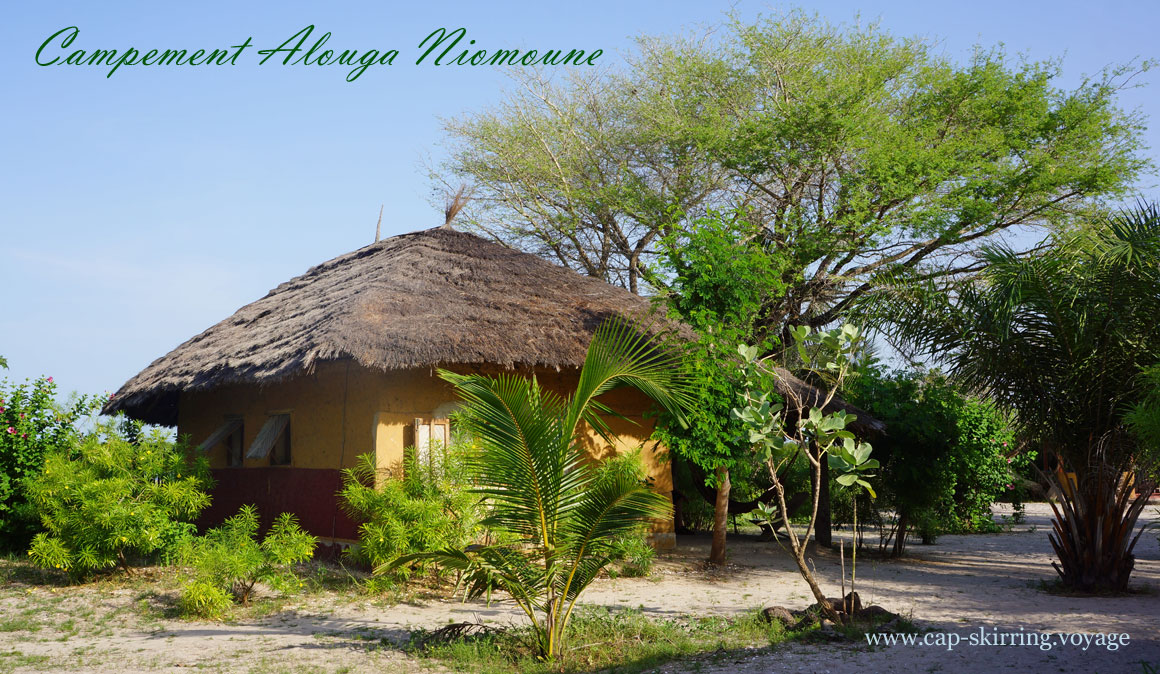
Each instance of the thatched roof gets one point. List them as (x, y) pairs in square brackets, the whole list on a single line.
[(793, 389), (433, 297)]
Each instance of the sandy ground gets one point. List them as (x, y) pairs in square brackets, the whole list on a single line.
[(962, 584)]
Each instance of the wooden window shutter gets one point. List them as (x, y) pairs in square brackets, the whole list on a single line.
[(432, 436), (220, 434), (266, 437)]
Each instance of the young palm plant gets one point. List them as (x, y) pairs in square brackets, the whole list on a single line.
[(561, 519)]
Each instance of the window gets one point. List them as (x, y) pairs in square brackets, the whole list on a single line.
[(432, 436), (281, 454), (274, 435), (230, 436), (234, 443)]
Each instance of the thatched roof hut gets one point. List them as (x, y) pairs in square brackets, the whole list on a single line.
[(433, 297), (337, 363)]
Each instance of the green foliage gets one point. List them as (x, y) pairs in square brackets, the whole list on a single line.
[(722, 275), (857, 152), (985, 462), (204, 600), (1061, 337), (946, 457), (560, 518), (802, 427), (107, 498), (850, 464), (32, 425), (630, 553), (1143, 419), (428, 507), (228, 561)]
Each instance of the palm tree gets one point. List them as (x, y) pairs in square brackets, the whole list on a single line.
[(557, 516), (1061, 337)]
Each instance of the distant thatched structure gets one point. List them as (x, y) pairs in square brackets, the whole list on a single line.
[(433, 297)]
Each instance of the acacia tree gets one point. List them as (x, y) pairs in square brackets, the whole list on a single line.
[(1062, 338), (858, 154)]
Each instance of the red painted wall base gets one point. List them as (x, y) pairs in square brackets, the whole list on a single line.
[(309, 493)]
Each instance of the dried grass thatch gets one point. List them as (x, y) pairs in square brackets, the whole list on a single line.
[(434, 297)]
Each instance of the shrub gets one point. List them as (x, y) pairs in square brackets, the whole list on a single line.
[(946, 457), (228, 561), (31, 426), (202, 599), (107, 498), (426, 508)]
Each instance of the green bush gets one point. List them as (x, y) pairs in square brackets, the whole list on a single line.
[(228, 561), (117, 492), (427, 508), (946, 457), (204, 600), (32, 425)]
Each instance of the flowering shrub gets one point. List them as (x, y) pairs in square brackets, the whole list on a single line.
[(426, 508), (32, 425), (118, 491)]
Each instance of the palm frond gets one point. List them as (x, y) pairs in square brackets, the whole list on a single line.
[(622, 354)]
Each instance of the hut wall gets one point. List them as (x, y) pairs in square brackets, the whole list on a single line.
[(343, 410)]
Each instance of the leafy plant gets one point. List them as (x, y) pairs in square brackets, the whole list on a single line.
[(106, 498), (563, 517), (720, 277), (228, 561), (425, 508), (946, 458), (850, 464), (801, 427), (32, 424), (1061, 337), (631, 555)]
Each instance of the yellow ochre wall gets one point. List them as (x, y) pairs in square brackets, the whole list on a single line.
[(343, 410)]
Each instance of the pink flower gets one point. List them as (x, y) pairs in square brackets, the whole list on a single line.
[(1004, 444), (1008, 459), (1, 409), (22, 415), (1008, 486), (11, 431), (49, 380), (23, 435)]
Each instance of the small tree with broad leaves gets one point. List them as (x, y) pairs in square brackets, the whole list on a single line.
[(780, 433)]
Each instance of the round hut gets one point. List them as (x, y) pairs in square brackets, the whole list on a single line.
[(341, 361)]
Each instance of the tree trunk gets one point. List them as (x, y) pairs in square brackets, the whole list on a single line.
[(823, 531), (720, 517), (900, 536)]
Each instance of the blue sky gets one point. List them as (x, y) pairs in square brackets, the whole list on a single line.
[(138, 210)]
